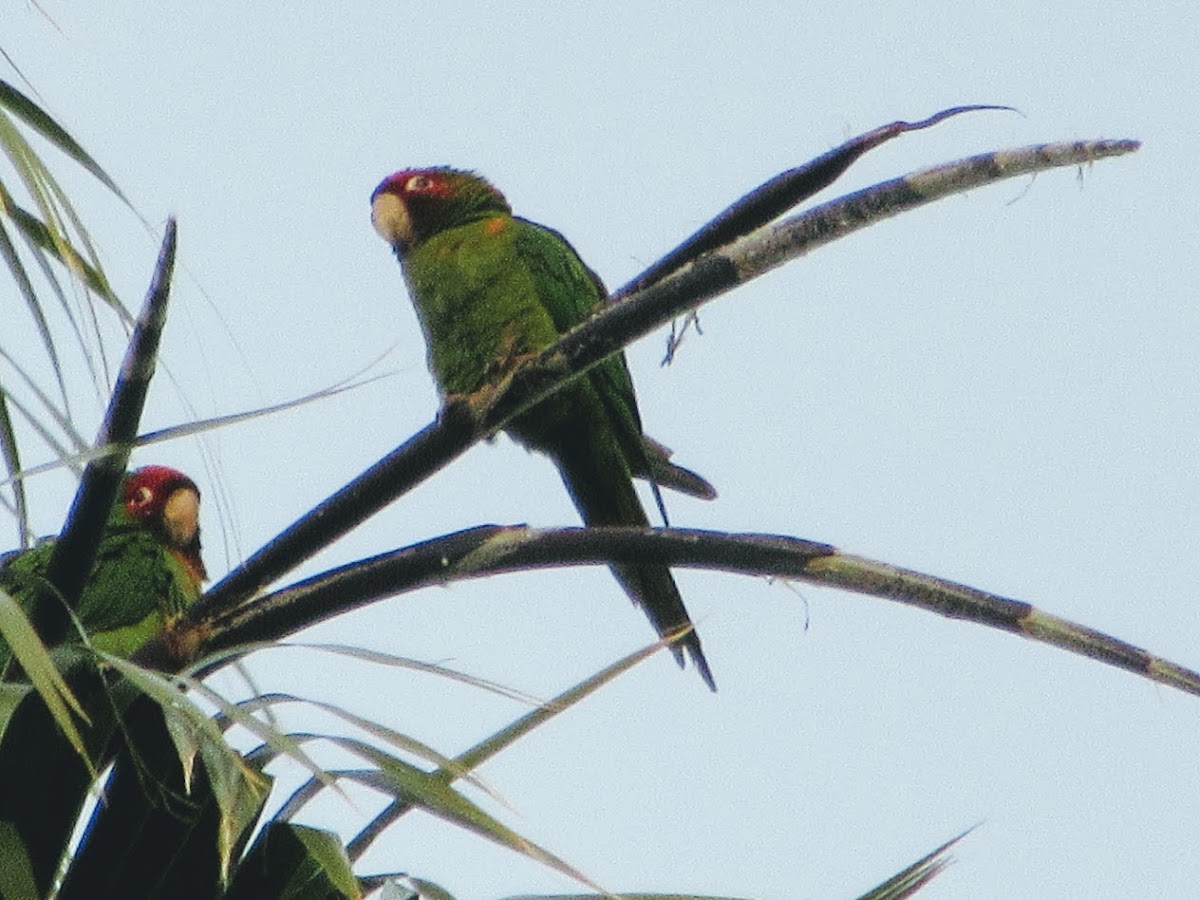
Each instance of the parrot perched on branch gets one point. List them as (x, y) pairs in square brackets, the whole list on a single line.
[(492, 289), (147, 569)]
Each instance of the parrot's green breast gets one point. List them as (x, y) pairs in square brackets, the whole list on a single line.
[(479, 302), (493, 290)]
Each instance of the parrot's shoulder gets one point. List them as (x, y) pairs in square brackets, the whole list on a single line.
[(131, 573), (569, 289), (575, 293), (18, 565), (126, 543), (553, 249)]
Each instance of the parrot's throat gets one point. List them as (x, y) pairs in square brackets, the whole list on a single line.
[(189, 557)]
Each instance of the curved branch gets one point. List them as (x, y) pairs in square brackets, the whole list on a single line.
[(776, 196), (489, 550), (495, 549), (794, 237)]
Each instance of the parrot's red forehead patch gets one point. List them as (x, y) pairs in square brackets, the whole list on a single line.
[(430, 183), (433, 183), (151, 486)]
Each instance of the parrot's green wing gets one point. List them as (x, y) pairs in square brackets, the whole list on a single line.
[(571, 293), (597, 454), (135, 586)]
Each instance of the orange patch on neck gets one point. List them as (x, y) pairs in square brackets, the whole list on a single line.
[(496, 225), (194, 567)]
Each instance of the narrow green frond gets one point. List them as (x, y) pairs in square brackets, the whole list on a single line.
[(12, 463), (239, 789), (506, 737), (40, 121), (277, 742), (13, 63), (375, 729), (289, 860), (17, 269), (388, 659), (80, 317), (61, 417), (434, 794), (29, 651), (905, 884), (54, 235), (48, 438), (86, 453), (326, 850), (51, 201), (35, 230)]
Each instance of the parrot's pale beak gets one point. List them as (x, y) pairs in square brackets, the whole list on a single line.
[(181, 516), (391, 220)]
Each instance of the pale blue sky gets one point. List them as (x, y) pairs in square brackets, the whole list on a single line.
[(999, 389)]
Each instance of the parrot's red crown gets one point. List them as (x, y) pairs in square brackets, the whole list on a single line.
[(433, 183), (415, 182), (147, 489)]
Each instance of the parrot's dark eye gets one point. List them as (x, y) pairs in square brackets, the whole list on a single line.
[(418, 184)]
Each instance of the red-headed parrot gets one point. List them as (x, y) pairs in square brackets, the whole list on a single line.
[(491, 289), (147, 570)]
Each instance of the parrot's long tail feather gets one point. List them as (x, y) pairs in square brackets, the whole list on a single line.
[(599, 482), (666, 474), (641, 582)]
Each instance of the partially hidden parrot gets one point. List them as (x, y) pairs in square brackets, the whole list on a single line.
[(147, 569), (490, 290)]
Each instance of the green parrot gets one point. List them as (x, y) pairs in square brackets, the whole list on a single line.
[(147, 570), (492, 289)]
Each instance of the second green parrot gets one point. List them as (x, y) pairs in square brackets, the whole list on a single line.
[(147, 569), (490, 289)]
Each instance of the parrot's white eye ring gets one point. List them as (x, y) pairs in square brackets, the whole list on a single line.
[(143, 496), (418, 183)]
